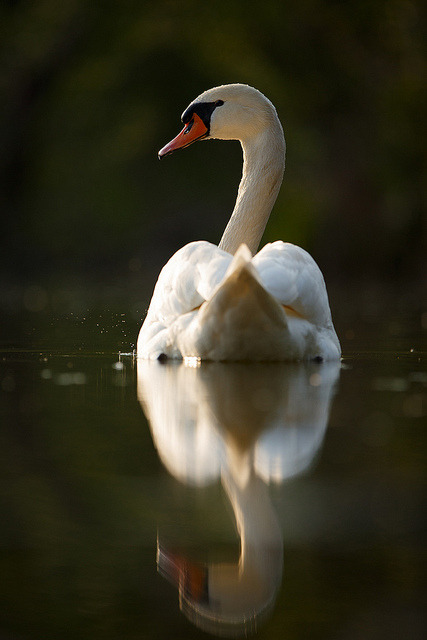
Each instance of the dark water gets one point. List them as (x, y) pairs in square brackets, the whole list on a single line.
[(150, 501)]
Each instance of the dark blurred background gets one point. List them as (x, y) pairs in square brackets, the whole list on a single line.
[(91, 90)]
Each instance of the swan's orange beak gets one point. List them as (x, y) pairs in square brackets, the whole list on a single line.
[(192, 131)]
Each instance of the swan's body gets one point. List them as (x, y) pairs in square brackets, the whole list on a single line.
[(211, 305)]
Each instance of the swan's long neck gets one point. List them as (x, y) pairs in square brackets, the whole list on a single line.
[(263, 167)]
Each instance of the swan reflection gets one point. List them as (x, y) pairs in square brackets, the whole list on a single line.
[(247, 425)]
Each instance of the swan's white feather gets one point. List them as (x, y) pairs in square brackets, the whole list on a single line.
[(292, 276), (200, 307)]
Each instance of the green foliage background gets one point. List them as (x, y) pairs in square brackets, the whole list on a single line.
[(91, 91)]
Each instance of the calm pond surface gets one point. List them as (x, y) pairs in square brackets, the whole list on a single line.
[(158, 501)]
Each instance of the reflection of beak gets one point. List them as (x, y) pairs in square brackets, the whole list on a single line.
[(192, 131), (191, 578)]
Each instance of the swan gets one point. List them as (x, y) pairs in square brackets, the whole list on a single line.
[(228, 302)]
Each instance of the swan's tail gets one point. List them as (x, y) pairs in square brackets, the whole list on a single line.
[(242, 258), (242, 320)]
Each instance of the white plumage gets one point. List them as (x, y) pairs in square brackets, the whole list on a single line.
[(222, 303)]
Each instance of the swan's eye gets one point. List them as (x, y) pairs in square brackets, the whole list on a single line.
[(189, 126), (219, 103)]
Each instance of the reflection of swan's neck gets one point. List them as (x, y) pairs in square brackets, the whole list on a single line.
[(263, 167), (256, 520)]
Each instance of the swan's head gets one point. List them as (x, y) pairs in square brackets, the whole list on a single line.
[(228, 112)]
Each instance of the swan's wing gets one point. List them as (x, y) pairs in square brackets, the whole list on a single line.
[(188, 279), (292, 276), (185, 282), (199, 272)]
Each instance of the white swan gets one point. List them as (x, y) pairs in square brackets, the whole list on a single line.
[(207, 304)]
